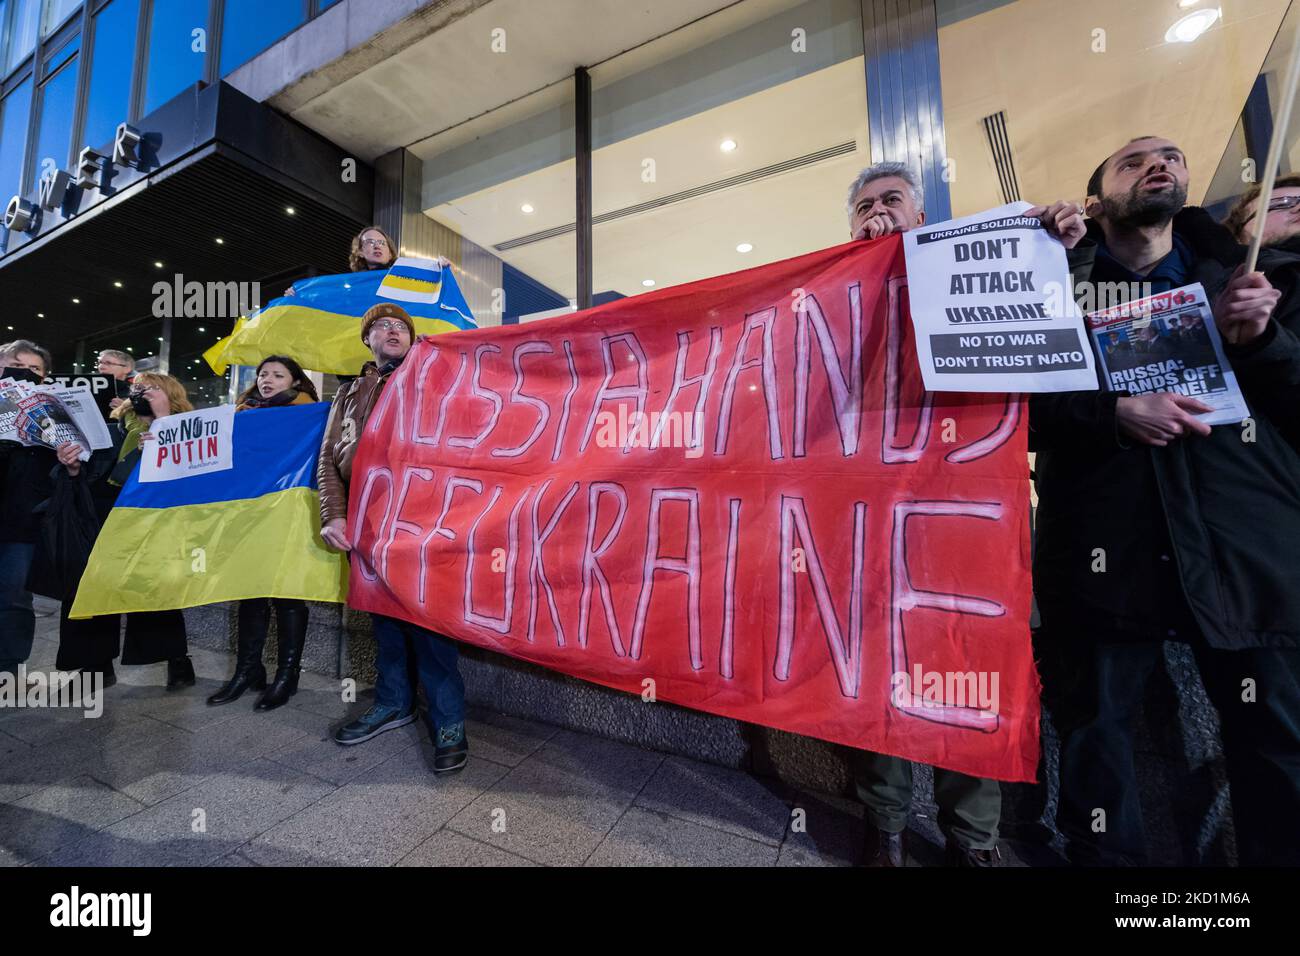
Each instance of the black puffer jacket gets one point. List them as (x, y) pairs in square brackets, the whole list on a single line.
[(1136, 542)]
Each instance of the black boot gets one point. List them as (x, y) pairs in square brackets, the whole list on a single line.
[(249, 671), (180, 673), (291, 619)]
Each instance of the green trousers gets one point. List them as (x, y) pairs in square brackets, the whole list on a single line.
[(969, 807)]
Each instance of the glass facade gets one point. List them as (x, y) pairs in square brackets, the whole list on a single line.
[(109, 100), (23, 18), (178, 43), (250, 26), (14, 113), (55, 12), (54, 123)]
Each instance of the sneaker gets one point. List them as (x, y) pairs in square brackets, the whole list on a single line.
[(372, 723), (451, 749), (964, 856)]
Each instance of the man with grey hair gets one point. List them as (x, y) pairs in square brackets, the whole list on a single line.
[(887, 198), (120, 365)]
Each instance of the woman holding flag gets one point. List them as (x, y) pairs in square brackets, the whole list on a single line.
[(280, 381), (151, 636)]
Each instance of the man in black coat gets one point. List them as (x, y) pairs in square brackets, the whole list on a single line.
[(24, 484), (1154, 527)]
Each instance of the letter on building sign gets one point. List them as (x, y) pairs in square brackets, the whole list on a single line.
[(89, 168), (124, 145), (53, 187), (19, 214)]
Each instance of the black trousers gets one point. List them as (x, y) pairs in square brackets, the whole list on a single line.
[(1095, 691), (151, 637)]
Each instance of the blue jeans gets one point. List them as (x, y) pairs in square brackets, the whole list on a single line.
[(435, 658), (17, 622)]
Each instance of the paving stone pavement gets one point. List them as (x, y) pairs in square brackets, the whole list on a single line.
[(161, 779)]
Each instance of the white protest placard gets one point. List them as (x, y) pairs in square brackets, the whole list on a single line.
[(992, 306), (189, 444), (1168, 342)]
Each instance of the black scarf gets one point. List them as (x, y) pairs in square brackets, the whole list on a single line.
[(279, 398)]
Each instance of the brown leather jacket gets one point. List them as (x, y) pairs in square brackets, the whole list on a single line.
[(352, 406)]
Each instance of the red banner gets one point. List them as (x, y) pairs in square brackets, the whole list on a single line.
[(731, 495)]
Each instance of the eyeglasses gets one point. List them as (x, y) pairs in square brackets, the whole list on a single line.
[(385, 325), (374, 243), (1276, 204)]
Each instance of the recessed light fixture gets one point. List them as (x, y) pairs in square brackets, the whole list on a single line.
[(220, 241), (40, 315), (130, 348), (647, 282), (202, 329), (290, 210), (1192, 26), (11, 328), (526, 207), (76, 302), (157, 265), (727, 145), (117, 285), (160, 338), (745, 247)]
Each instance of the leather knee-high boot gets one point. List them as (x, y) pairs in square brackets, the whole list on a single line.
[(254, 618), (291, 620)]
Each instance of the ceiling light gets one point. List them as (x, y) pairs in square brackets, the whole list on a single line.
[(11, 328), (290, 210), (647, 282), (202, 329), (76, 302), (727, 145), (157, 265), (745, 247), (160, 338), (220, 241), (1192, 26), (526, 207), (40, 315), (130, 348), (117, 285)]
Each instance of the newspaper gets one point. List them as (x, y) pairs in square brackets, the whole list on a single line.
[(51, 415), (1168, 343)]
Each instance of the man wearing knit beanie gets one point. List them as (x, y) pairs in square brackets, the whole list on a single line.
[(389, 333), (386, 310)]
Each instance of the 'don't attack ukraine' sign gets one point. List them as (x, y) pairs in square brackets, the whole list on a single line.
[(991, 309)]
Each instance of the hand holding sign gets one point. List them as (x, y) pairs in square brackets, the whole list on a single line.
[(1160, 418), (1244, 307), (1063, 220)]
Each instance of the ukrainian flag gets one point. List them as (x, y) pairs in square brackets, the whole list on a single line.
[(250, 531), (320, 325)]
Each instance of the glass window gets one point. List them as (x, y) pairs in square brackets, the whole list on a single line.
[(22, 38), (250, 26), (54, 130), (14, 113), (499, 191), (176, 55), (326, 4), (109, 101), (4, 30), (1067, 106), (56, 11), (725, 145)]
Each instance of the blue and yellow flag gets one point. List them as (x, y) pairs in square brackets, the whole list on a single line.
[(320, 324), (252, 530)]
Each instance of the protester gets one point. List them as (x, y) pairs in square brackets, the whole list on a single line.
[(151, 636), (372, 249), (120, 365), (388, 332), (1153, 526), (24, 485), (278, 383), (887, 198), (1281, 223)]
